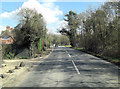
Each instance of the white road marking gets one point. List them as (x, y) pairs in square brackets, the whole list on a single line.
[(75, 67), (74, 64), (66, 51), (69, 55)]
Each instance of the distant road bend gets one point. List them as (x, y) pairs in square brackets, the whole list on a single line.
[(66, 67)]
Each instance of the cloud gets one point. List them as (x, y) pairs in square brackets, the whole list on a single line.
[(49, 11), (51, 29), (59, 25), (62, 24), (2, 28), (11, 15), (61, 0)]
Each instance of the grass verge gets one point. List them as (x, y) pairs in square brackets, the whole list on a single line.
[(115, 61), (68, 46)]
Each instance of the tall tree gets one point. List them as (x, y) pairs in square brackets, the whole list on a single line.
[(73, 24), (32, 27)]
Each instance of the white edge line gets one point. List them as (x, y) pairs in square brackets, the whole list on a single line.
[(75, 67)]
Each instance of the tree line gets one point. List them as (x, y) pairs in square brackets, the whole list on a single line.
[(96, 30), (59, 40), (30, 36)]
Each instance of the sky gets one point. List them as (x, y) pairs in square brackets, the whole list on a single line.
[(52, 11)]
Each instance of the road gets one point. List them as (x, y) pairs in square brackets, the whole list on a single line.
[(66, 67)]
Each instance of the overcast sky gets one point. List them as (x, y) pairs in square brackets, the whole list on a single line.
[(52, 11)]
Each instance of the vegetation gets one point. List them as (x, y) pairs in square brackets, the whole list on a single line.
[(58, 39), (96, 30), (73, 24), (10, 55), (29, 34)]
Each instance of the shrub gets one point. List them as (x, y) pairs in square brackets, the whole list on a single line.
[(10, 55), (23, 57)]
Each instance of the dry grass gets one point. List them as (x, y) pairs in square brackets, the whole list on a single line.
[(11, 78)]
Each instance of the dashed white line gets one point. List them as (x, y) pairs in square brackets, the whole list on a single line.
[(66, 51), (75, 67), (69, 55), (78, 72)]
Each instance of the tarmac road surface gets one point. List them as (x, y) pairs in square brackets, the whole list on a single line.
[(66, 67)]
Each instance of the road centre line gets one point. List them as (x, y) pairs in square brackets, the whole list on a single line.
[(75, 67), (69, 55), (74, 64), (66, 51)]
